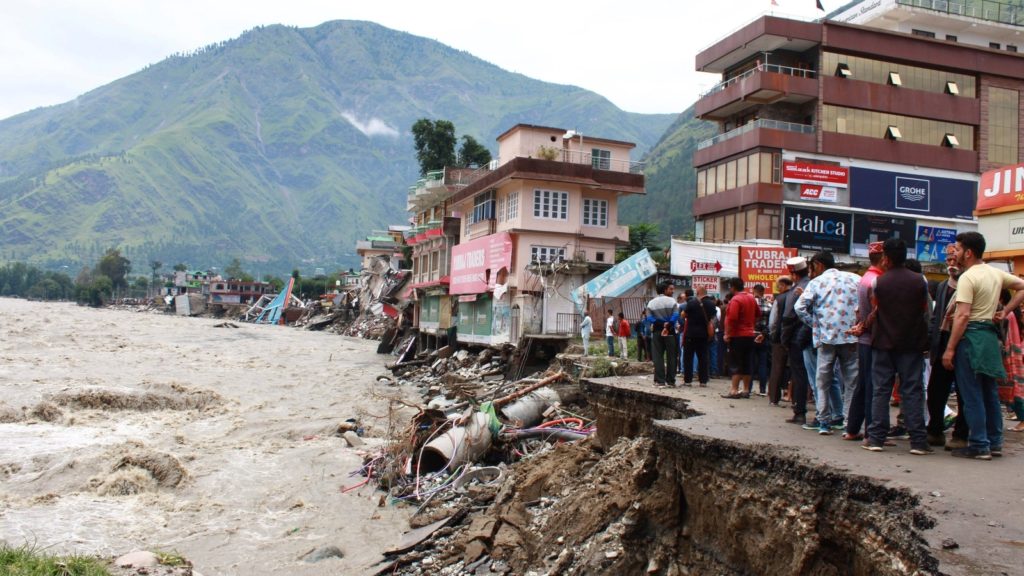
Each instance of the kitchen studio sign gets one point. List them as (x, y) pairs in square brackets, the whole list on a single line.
[(817, 229)]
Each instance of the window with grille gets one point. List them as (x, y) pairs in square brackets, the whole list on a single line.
[(546, 254), (595, 212), (551, 204)]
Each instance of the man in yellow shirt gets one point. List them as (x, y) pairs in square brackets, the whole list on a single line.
[(973, 352)]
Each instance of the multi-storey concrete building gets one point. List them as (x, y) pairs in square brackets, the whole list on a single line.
[(498, 250), (871, 123)]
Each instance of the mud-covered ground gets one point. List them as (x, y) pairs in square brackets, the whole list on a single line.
[(125, 430)]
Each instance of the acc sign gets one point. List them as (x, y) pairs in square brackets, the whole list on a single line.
[(1002, 187)]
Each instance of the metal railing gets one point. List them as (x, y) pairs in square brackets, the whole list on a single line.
[(989, 10), (772, 68), (567, 323), (761, 123), (600, 162)]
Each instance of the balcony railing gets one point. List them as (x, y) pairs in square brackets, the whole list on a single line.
[(599, 162), (762, 123), (989, 10), (772, 68)]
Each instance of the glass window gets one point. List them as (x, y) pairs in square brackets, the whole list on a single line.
[(702, 181), (741, 171), (730, 175), (753, 169), (546, 253), (551, 204), (912, 129), (766, 167), (711, 180), (601, 159), (483, 207), (512, 210), (1003, 124), (720, 178), (595, 212), (912, 77)]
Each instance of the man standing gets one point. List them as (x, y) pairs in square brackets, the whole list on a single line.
[(643, 341), (759, 355), (740, 316), (940, 383), (860, 404), (586, 329), (624, 334), (829, 306), (779, 373), (796, 336), (975, 347), (698, 335), (609, 332), (662, 315), (899, 337)]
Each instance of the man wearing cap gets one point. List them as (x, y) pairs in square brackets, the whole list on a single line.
[(858, 411), (829, 306), (796, 336)]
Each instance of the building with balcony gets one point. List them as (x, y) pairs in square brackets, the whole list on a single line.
[(873, 122), (435, 231), (542, 220), (383, 244)]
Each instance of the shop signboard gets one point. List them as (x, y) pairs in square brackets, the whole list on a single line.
[(912, 194), (811, 229), (680, 282), (475, 264), (820, 174), (690, 258), (1002, 188), (710, 283), (868, 228), (618, 279), (763, 265), (932, 242)]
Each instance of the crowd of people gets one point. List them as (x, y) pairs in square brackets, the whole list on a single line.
[(856, 345)]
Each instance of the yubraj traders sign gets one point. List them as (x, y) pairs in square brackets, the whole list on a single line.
[(1002, 187), (475, 264), (763, 265)]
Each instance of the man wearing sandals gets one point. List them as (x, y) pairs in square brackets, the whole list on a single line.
[(829, 306), (740, 316)]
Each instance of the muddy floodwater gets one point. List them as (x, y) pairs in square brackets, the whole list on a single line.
[(124, 430)]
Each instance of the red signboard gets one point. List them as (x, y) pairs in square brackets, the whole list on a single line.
[(1002, 187), (815, 174), (763, 265), (475, 264)]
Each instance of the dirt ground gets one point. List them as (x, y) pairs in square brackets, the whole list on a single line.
[(125, 430)]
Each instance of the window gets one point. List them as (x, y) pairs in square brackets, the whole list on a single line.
[(1003, 124), (909, 128), (923, 33), (501, 209), (601, 159), (1011, 48), (546, 254), (551, 204), (595, 212), (483, 207), (951, 38), (512, 206), (599, 256), (911, 77), (995, 45)]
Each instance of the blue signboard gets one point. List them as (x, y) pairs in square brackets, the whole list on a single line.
[(932, 242), (617, 280), (912, 194)]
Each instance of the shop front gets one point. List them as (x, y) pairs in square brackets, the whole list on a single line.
[(1000, 211), (479, 283)]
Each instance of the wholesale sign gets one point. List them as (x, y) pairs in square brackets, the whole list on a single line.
[(764, 265), (1001, 188), (820, 174), (475, 264), (817, 229)]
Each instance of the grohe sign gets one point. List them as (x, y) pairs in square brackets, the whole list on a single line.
[(921, 195)]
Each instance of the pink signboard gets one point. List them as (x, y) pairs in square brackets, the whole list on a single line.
[(475, 264)]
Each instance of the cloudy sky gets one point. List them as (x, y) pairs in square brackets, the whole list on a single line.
[(637, 53)]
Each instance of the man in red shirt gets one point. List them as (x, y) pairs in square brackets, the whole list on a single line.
[(624, 334), (740, 317)]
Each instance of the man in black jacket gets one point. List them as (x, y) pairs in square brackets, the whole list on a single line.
[(941, 380), (698, 312), (796, 336), (780, 360)]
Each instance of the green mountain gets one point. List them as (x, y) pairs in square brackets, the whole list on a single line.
[(671, 180), (280, 147)]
